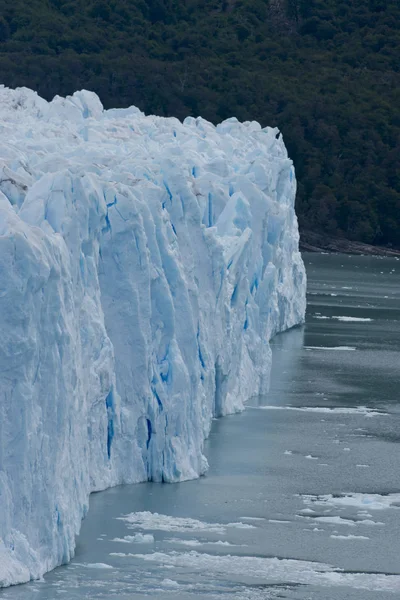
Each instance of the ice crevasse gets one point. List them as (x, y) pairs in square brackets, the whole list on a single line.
[(145, 264)]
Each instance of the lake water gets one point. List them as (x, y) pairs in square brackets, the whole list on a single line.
[(302, 499)]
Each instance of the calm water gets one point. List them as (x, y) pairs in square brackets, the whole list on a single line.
[(277, 475)]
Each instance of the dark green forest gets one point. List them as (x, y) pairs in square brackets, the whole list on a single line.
[(326, 72)]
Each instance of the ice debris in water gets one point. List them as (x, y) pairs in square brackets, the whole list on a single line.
[(98, 566), (195, 542), (336, 410), (372, 502), (344, 318), (357, 500), (352, 319), (349, 537), (276, 570), (154, 521), (145, 264), (329, 348), (138, 538)]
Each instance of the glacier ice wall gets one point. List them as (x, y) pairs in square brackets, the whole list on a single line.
[(144, 266)]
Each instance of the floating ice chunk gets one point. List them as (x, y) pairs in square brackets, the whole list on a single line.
[(154, 521), (240, 525), (335, 520), (344, 318), (191, 543), (194, 542), (369, 501), (278, 521), (338, 410), (349, 537), (307, 511), (138, 538), (170, 583), (348, 348), (352, 319), (275, 570), (98, 566)]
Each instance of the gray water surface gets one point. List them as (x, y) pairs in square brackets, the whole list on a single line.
[(269, 468)]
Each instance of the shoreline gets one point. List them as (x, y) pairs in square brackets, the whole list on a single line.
[(317, 242)]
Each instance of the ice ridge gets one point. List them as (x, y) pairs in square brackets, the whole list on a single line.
[(145, 264)]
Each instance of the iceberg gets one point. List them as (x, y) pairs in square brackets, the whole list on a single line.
[(145, 264)]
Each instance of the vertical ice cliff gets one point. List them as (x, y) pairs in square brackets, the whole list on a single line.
[(144, 266)]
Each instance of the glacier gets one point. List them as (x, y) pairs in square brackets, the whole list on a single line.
[(145, 264)]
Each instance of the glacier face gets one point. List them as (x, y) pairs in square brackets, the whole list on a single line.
[(144, 266)]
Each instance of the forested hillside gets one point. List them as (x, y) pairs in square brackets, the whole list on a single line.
[(326, 72)]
